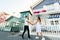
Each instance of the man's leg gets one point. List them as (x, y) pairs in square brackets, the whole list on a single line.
[(28, 32), (24, 32)]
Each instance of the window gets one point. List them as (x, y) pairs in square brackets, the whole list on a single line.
[(56, 22), (52, 22)]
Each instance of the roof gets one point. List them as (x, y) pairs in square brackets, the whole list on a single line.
[(45, 2), (11, 18), (36, 3)]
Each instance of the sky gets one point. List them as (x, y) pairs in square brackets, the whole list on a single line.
[(15, 5)]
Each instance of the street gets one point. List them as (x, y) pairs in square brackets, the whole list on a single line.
[(16, 36)]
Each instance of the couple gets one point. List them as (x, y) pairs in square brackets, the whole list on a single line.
[(38, 27)]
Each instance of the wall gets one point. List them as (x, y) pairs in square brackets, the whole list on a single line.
[(45, 2)]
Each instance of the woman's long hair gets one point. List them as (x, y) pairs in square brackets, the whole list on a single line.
[(39, 18)]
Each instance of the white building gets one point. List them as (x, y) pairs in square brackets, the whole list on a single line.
[(50, 16)]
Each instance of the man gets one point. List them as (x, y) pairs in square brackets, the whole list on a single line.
[(26, 27)]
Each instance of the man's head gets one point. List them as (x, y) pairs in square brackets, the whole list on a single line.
[(27, 17)]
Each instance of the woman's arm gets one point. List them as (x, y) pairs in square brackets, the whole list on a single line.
[(36, 22)]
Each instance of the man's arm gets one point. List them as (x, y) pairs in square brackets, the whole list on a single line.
[(36, 22), (30, 22)]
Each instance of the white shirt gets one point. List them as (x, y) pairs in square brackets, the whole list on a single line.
[(26, 23)]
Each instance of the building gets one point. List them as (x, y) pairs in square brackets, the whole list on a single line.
[(9, 22), (49, 12)]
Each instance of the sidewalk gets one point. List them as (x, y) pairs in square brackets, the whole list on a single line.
[(49, 34), (17, 36)]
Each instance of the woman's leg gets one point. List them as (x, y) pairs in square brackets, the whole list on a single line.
[(42, 34), (37, 34)]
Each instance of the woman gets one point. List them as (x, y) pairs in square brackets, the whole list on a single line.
[(38, 28)]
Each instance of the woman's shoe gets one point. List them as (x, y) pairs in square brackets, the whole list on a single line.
[(43, 38), (36, 37)]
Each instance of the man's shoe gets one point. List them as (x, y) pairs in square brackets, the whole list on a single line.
[(22, 37)]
